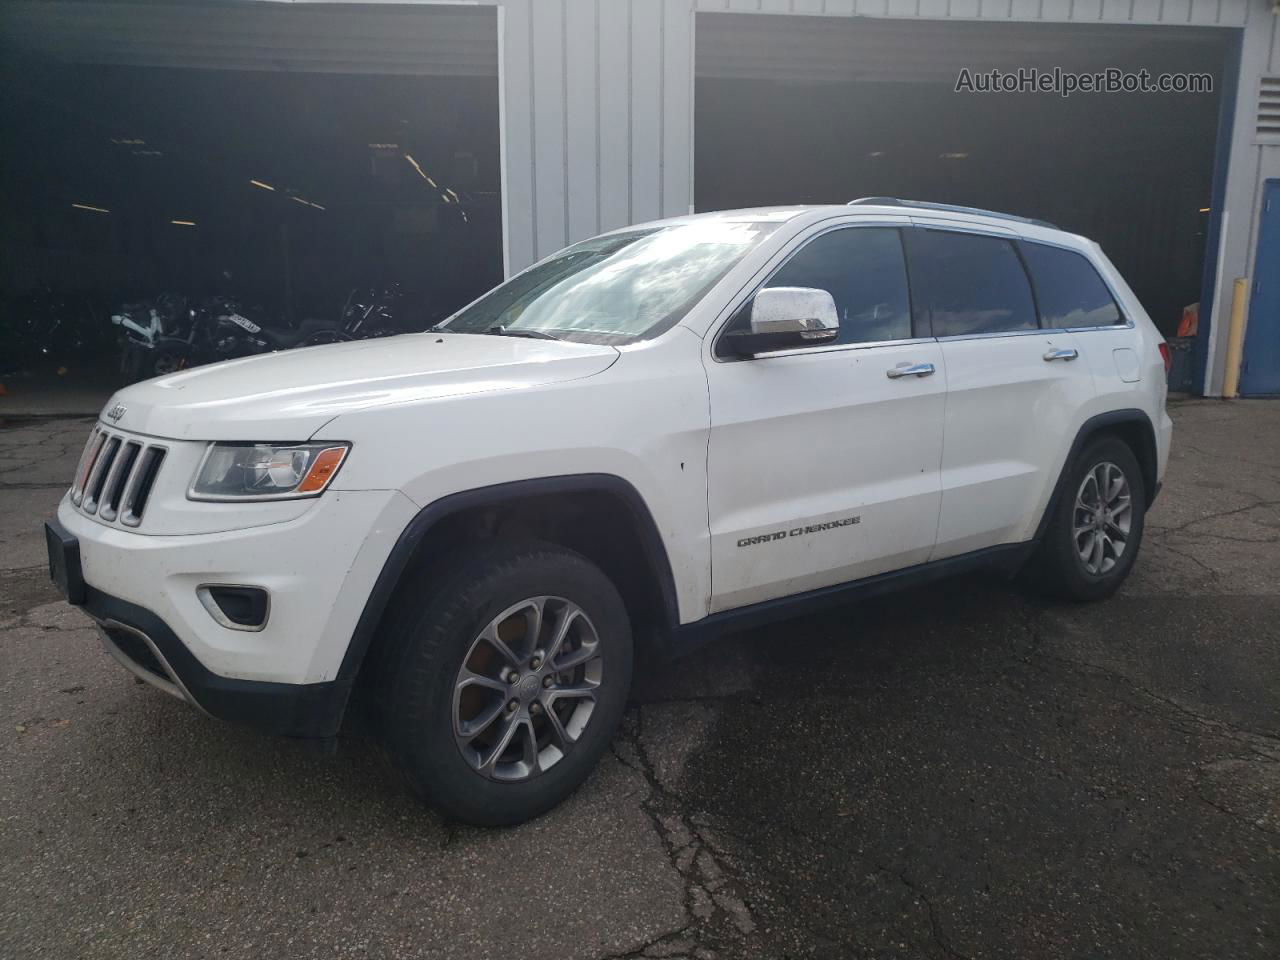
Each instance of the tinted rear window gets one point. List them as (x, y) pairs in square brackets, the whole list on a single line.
[(969, 284), (1068, 288)]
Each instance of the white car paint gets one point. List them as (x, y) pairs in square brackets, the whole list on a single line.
[(718, 452), (296, 392)]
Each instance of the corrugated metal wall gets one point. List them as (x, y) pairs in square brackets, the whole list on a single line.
[(597, 94), (1219, 13)]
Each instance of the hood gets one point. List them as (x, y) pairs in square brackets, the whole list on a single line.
[(291, 395)]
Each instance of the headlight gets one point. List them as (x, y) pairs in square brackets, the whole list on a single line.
[(266, 471)]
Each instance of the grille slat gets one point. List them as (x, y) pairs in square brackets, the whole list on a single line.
[(120, 471), (87, 459), (115, 476), (98, 477), (140, 489)]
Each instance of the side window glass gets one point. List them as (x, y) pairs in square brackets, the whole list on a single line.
[(969, 284), (864, 271), (1068, 288)]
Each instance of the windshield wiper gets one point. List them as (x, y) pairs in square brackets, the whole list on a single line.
[(501, 331)]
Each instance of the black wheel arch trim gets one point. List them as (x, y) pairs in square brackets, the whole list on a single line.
[(432, 514), (1148, 459)]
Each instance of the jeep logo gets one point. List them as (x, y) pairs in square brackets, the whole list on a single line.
[(116, 412)]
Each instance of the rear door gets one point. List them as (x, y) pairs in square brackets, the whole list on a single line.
[(1073, 296), (1014, 390), (823, 460)]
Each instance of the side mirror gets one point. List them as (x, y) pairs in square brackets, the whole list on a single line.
[(785, 317)]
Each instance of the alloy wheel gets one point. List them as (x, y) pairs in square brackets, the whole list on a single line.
[(527, 688), (1102, 518)]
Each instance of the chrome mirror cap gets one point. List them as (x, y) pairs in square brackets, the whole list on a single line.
[(806, 312)]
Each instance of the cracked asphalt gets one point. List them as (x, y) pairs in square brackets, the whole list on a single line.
[(957, 771)]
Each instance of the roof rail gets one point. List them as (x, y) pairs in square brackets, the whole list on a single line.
[(949, 207)]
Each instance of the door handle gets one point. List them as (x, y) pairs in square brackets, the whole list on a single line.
[(909, 370), (1062, 353)]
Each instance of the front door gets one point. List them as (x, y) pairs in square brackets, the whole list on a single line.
[(823, 461), (1260, 370)]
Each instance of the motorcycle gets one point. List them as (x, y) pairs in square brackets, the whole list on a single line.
[(367, 313), (166, 334), (158, 336), (236, 333)]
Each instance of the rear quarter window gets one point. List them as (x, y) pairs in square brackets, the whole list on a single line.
[(1068, 288)]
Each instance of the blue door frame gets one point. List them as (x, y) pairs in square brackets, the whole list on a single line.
[(1260, 369)]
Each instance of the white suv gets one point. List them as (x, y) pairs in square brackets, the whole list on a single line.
[(645, 439)]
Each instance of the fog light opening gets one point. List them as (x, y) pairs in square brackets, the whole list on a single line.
[(236, 606)]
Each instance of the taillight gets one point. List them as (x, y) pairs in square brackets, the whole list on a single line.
[(1166, 356)]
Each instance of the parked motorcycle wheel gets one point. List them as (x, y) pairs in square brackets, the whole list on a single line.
[(165, 360)]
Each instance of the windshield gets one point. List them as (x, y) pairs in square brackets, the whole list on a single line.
[(616, 288)]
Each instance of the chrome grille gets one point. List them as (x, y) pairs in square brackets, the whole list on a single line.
[(115, 476)]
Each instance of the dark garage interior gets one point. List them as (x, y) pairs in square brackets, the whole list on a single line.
[(814, 110), (285, 190)]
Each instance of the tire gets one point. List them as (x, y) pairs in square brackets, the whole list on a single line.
[(427, 707), (1059, 567)]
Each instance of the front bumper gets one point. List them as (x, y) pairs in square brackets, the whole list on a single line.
[(319, 569), (145, 646)]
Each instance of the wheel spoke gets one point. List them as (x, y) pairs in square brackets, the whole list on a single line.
[(1095, 555), (1085, 550), (1117, 488), (490, 636), (581, 691), (576, 658), (559, 735), (529, 746), (533, 621), (469, 678), (468, 730), (500, 747), (1091, 481), (563, 625)]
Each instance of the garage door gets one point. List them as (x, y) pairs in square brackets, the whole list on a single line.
[(823, 110)]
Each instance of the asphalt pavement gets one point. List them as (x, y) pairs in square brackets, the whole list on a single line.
[(957, 771)]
